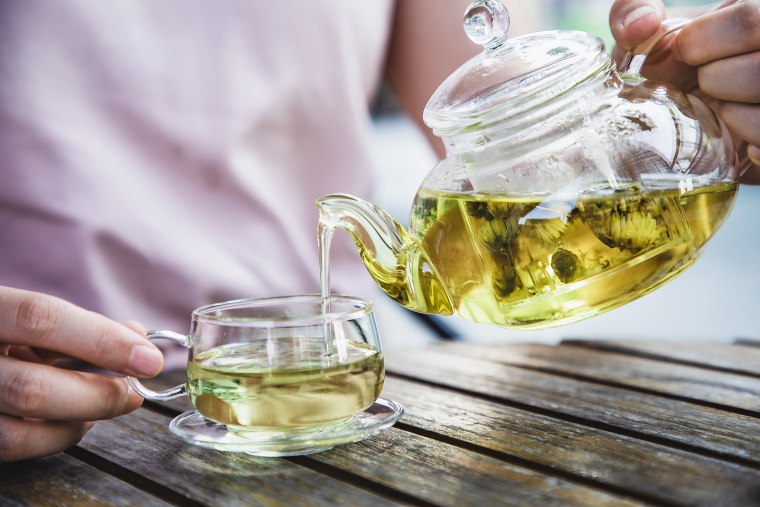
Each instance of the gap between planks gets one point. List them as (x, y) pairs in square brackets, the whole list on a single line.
[(614, 348), (638, 389)]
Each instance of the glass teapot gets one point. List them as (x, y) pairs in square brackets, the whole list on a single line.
[(568, 188)]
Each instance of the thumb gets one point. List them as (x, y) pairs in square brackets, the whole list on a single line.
[(634, 21)]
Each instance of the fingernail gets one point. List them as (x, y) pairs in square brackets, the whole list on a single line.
[(638, 13), (145, 361)]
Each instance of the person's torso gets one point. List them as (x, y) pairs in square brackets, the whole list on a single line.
[(157, 156)]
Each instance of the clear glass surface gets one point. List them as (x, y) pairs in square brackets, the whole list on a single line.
[(196, 429)]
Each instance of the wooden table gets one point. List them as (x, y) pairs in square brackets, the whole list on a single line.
[(580, 423)]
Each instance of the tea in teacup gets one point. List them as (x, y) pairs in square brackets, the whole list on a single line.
[(237, 385)]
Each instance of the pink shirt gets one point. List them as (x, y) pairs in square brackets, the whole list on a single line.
[(161, 155)]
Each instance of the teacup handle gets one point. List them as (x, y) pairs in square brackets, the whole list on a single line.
[(166, 394), (630, 67)]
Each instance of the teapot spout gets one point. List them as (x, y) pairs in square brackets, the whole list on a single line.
[(396, 262)]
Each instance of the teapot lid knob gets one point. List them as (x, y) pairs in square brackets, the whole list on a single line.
[(486, 23)]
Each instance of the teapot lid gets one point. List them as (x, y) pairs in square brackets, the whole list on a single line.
[(510, 76)]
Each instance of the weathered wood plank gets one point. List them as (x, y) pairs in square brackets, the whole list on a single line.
[(415, 466), (656, 472), (446, 475), (653, 471), (721, 356), (63, 480), (496, 480), (141, 443), (686, 382), (659, 419)]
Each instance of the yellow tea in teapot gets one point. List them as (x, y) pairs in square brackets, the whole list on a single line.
[(533, 262), (235, 384)]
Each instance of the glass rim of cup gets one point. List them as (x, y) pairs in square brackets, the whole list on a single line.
[(211, 313)]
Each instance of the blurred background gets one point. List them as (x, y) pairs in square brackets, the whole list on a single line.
[(713, 300)]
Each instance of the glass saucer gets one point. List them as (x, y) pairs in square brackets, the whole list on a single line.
[(192, 427)]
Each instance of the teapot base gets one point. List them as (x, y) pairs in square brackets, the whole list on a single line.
[(575, 303)]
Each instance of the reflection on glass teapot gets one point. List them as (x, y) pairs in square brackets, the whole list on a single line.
[(568, 188)]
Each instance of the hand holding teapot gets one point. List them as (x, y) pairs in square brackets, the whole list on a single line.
[(715, 56)]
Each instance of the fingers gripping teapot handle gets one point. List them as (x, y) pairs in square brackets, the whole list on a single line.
[(630, 72), (630, 67), (166, 394)]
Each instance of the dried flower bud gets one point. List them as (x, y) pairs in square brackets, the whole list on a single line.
[(565, 265)]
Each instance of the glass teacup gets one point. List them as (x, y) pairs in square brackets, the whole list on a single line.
[(280, 376)]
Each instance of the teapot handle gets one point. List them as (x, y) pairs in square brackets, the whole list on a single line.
[(636, 56)]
